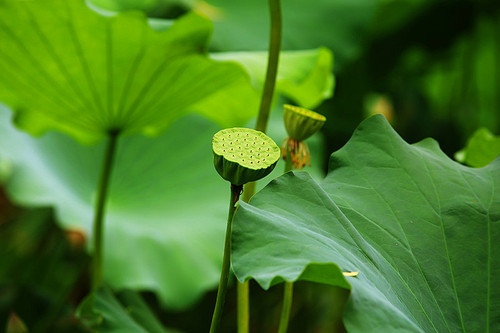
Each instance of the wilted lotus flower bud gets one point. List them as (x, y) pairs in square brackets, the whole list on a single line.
[(300, 124), (242, 155)]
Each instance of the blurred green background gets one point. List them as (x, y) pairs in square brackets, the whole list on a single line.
[(432, 67)]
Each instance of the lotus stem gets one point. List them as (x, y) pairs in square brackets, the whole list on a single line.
[(100, 207), (272, 65), (288, 159), (224, 275), (288, 288), (243, 304), (287, 306), (261, 125)]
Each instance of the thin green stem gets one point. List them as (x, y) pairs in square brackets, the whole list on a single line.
[(287, 306), (261, 125), (288, 287), (100, 205), (288, 164), (224, 275), (243, 303), (272, 65), (243, 290)]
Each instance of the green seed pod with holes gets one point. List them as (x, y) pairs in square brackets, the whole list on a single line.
[(242, 155), (301, 123)]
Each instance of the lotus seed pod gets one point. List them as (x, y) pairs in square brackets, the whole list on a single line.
[(242, 155), (301, 123)]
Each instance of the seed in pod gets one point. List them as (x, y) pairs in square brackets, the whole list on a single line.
[(242, 155), (301, 123)]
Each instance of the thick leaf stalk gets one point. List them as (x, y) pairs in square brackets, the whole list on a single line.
[(261, 125), (272, 65), (224, 275), (243, 306), (100, 206), (287, 307)]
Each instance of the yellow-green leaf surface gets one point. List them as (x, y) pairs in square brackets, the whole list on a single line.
[(422, 230), (303, 76), (481, 149), (68, 68), (151, 7)]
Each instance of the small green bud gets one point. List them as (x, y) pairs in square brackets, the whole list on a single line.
[(301, 123), (242, 155)]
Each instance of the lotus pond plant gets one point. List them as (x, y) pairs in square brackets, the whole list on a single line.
[(398, 213), (241, 155)]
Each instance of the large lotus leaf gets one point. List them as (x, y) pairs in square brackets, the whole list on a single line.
[(423, 230), (303, 76), (68, 68), (167, 208), (166, 212), (481, 149), (125, 312), (340, 25)]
